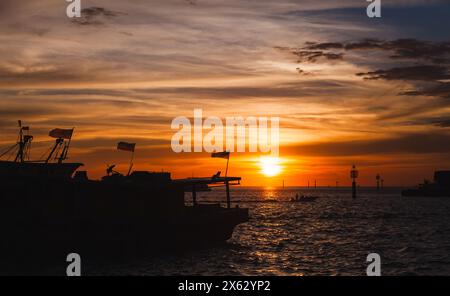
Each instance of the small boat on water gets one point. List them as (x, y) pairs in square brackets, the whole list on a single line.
[(304, 198), (439, 188)]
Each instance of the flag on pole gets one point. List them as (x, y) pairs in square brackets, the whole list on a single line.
[(224, 154), (126, 146), (61, 133)]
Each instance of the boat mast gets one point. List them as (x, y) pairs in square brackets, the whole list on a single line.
[(63, 155), (354, 175), (58, 143), (19, 156), (60, 135), (22, 142)]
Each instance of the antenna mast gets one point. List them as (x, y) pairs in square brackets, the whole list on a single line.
[(354, 175)]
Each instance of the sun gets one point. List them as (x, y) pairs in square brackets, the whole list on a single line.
[(270, 166)]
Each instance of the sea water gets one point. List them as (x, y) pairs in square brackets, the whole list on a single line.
[(331, 236)]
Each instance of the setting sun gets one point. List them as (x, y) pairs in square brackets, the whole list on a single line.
[(270, 166)]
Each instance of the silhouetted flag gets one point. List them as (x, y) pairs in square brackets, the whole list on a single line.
[(224, 154), (61, 133), (126, 146)]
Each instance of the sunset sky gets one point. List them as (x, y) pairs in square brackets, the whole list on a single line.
[(347, 89)]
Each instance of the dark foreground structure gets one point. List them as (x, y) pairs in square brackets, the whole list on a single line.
[(48, 210), (440, 187)]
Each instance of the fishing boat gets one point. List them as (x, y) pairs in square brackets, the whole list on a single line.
[(52, 167), (304, 198), (49, 209)]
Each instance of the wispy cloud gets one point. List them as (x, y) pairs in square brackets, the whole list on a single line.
[(125, 69), (96, 16)]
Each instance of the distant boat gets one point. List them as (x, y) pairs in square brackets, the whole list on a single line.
[(304, 198), (440, 187)]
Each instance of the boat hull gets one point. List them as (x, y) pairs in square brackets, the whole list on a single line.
[(426, 193), (43, 221), (14, 170)]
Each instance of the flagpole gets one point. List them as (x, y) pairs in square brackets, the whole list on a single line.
[(226, 171), (68, 145), (131, 163)]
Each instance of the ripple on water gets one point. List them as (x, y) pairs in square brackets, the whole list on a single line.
[(331, 236)]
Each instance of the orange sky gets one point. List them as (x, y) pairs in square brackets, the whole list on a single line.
[(125, 70)]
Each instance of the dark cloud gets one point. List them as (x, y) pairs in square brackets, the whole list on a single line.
[(442, 90), (325, 46), (415, 49), (442, 122), (365, 44), (425, 64), (311, 56), (95, 15), (420, 72), (435, 52), (301, 71)]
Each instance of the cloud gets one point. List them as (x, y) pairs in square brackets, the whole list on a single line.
[(437, 52), (422, 67), (410, 49), (126, 69), (420, 72), (191, 2), (325, 46), (96, 16), (415, 143), (442, 89), (443, 122), (40, 73), (313, 56)]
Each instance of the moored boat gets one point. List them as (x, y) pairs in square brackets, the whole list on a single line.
[(50, 209), (439, 188)]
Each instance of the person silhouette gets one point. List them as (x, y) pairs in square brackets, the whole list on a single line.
[(217, 175)]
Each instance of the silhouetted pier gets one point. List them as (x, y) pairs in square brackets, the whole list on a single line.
[(194, 184)]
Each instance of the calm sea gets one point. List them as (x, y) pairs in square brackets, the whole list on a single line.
[(331, 236)]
